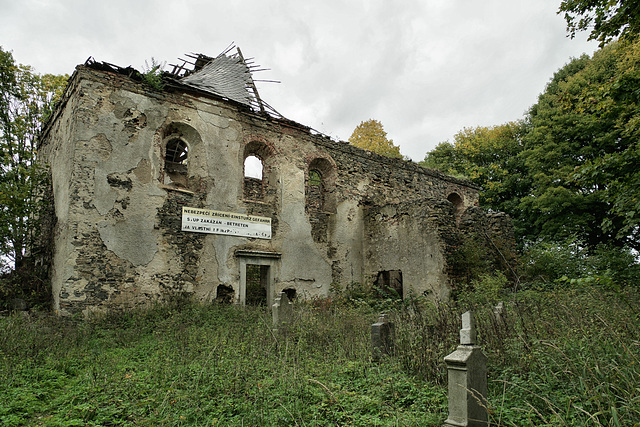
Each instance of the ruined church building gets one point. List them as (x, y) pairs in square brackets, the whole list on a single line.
[(151, 198)]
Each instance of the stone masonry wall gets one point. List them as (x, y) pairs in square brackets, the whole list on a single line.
[(415, 238), (118, 242)]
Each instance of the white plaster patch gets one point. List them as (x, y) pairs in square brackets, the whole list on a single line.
[(215, 120), (133, 240)]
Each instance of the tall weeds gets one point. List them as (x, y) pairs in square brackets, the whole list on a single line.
[(569, 356), (564, 357), (204, 365)]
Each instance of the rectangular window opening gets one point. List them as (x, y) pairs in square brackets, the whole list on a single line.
[(389, 284)]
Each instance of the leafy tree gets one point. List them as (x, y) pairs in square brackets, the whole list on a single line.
[(447, 158), (370, 136), (615, 172), (607, 19), (26, 100), (570, 168), (582, 149)]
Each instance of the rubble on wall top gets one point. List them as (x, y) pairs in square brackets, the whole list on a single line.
[(228, 75)]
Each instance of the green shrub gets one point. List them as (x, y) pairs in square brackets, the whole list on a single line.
[(548, 261), (487, 289), (152, 74), (549, 264), (28, 283), (617, 263)]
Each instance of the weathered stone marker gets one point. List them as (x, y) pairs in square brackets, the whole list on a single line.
[(498, 312), (467, 368), (281, 312), (382, 337), (18, 304)]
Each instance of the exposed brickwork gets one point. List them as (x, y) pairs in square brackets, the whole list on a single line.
[(253, 189), (186, 246)]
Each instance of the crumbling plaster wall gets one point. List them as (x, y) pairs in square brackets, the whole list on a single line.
[(413, 237), (118, 240), (61, 154), (104, 203), (305, 267)]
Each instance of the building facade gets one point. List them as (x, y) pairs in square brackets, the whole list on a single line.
[(153, 198)]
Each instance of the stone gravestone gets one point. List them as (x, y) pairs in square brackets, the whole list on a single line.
[(281, 312), (467, 372), (382, 337), (498, 313), (18, 304)]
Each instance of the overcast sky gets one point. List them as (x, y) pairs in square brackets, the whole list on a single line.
[(424, 68)]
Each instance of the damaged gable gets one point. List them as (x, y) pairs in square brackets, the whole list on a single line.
[(229, 76)]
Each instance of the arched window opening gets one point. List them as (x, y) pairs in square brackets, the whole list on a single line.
[(315, 191), (253, 168), (175, 162), (320, 196), (321, 186), (458, 204)]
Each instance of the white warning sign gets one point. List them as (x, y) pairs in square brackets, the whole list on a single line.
[(198, 220)]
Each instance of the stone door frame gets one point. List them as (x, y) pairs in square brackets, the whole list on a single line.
[(261, 258)]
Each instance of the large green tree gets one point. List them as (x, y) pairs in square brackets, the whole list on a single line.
[(371, 136), (587, 117), (485, 155), (26, 100), (605, 19), (615, 171)]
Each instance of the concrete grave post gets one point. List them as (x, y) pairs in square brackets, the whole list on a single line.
[(281, 312), (382, 337), (498, 312), (18, 304), (467, 374)]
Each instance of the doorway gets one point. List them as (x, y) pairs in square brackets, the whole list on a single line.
[(258, 276), (257, 284)]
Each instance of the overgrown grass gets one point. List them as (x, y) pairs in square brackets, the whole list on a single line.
[(569, 356), (205, 365)]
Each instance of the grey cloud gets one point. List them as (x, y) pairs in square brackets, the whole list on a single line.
[(424, 69)]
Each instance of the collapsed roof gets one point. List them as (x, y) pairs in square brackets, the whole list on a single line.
[(226, 75)]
